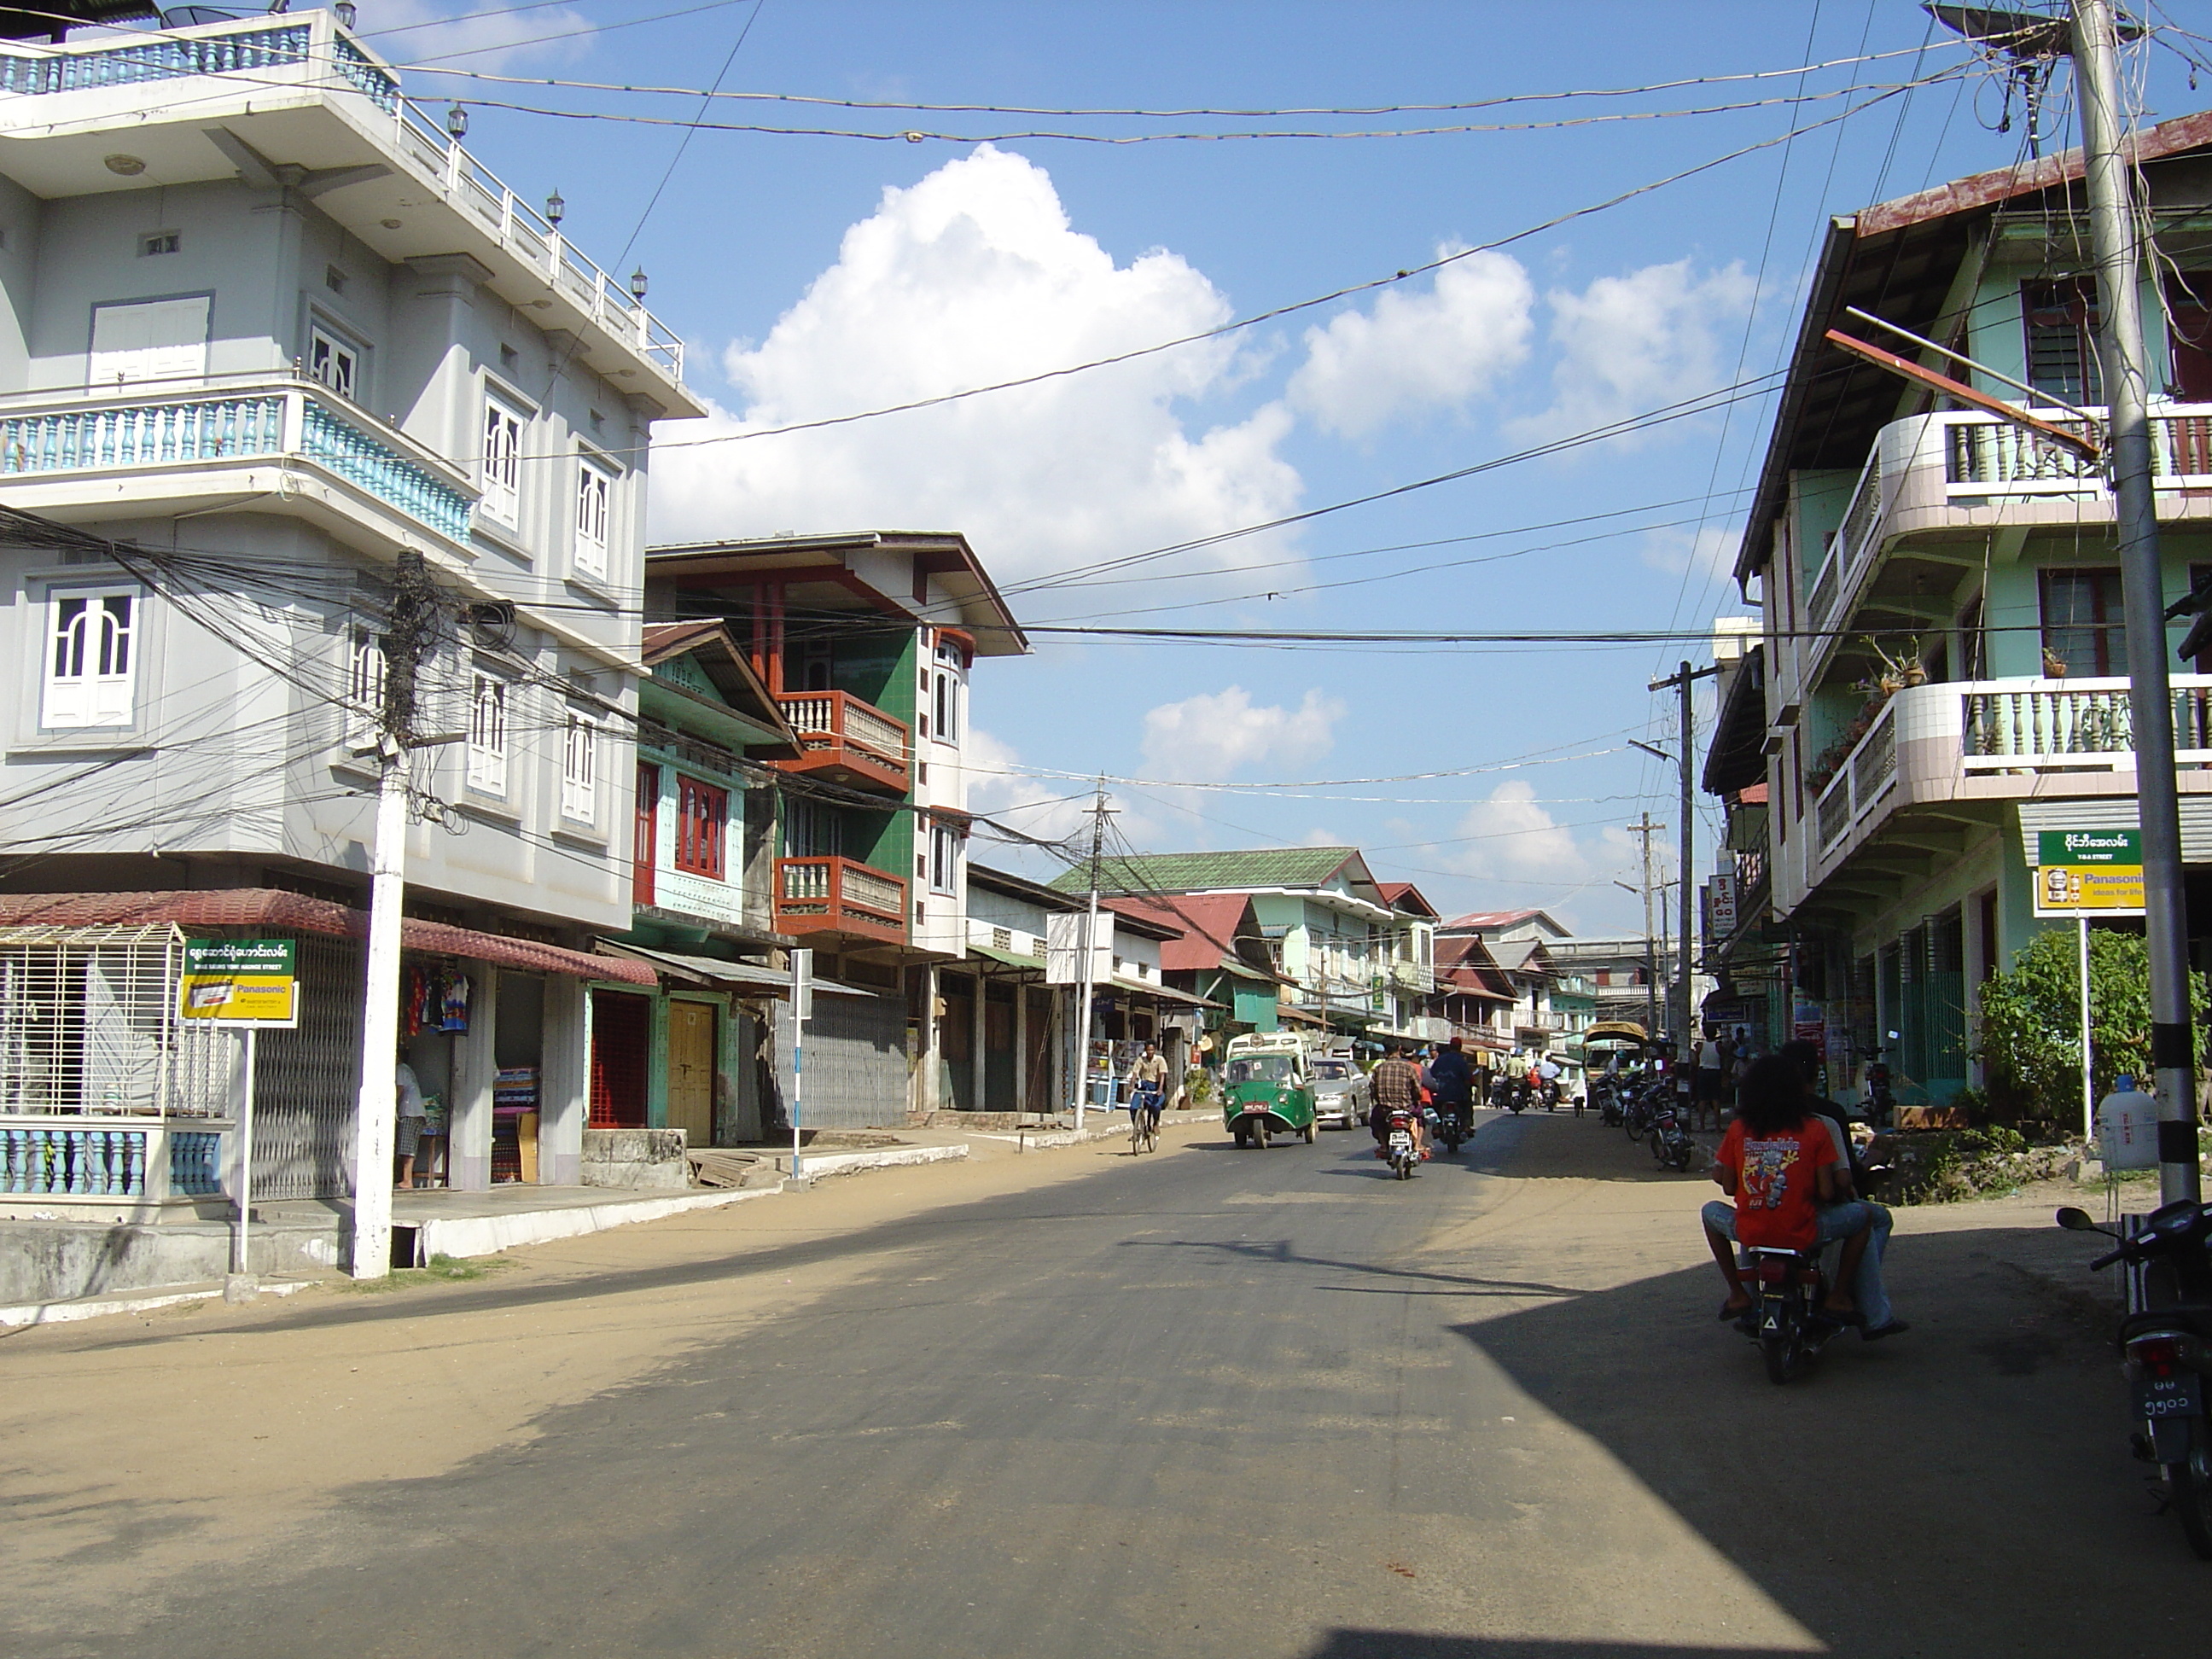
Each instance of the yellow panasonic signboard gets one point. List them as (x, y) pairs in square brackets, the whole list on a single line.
[(2093, 871), (240, 982)]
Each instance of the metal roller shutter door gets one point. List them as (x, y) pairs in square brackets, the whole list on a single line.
[(856, 1062)]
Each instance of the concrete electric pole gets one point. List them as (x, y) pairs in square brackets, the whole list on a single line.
[(409, 633), (1683, 1012), (2114, 232)]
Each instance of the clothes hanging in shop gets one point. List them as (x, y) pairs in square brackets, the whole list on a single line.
[(434, 999)]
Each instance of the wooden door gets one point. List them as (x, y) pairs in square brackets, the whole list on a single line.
[(691, 1072)]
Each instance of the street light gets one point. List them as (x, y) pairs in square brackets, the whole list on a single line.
[(1651, 749)]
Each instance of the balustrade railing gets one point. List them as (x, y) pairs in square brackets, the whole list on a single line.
[(838, 720), (315, 50), (2071, 724), (827, 892), (1861, 780), (108, 432), (141, 1159)]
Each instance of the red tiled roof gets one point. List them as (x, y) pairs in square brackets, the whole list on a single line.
[(1208, 924), (268, 907), (1393, 891)]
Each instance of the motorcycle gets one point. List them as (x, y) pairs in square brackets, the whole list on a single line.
[(1609, 1110), (1517, 1096), (1451, 1128), (1643, 1106), (1786, 1317), (1881, 1097), (2166, 1347), (1670, 1141), (1398, 1146)]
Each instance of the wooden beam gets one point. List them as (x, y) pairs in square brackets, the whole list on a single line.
[(2087, 448)]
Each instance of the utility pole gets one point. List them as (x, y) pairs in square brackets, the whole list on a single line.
[(1646, 828), (411, 627), (2113, 231), (1682, 1013), (1099, 815)]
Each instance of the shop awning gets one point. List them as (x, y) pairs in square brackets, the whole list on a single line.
[(1165, 994), (268, 907), (719, 970), (1010, 958)]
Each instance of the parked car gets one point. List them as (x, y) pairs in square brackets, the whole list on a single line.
[(1341, 1092)]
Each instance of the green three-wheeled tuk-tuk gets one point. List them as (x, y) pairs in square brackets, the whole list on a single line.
[(1267, 1089)]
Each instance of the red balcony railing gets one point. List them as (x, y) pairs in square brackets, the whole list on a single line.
[(839, 896), (852, 741)]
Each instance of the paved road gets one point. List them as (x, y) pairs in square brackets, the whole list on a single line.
[(1212, 1403)]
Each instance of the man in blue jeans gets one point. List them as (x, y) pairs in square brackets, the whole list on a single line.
[(1838, 1220)]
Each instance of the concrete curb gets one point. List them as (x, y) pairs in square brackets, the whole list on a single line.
[(813, 1166), (467, 1236), (98, 1307)]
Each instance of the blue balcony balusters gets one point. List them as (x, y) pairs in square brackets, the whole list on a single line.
[(195, 1162), (384, 472)]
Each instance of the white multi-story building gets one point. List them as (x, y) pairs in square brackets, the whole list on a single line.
[(270, 334)]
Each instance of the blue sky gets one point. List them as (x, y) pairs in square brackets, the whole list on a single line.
[(816, 275)]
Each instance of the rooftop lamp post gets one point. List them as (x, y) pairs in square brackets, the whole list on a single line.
[(555, 209), (457, 123)]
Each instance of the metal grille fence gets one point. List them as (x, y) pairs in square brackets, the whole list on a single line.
[(88, 1024), (305, 1081)]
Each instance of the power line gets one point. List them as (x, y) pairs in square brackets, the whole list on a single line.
[(1107, 112)]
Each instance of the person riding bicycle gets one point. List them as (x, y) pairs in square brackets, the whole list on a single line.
[(1148, 1083), (1451, 1078), (1396, 1083)]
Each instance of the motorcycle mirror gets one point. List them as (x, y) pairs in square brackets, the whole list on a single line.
[(2076, 1221)]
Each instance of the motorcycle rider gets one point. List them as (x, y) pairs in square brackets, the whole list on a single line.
[(1779, 1164), (1396, 1085), (1854, 1210), (1451, 1078)]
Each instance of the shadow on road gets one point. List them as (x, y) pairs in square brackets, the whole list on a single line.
[(1874, 1497), (1408, 1644)]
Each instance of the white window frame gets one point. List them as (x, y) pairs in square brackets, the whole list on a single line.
[(944, 705), (499, 464), (367, 663), (945, 849), (340, 355), (488, 732), (89, 649), (595, 512), (580, 769)]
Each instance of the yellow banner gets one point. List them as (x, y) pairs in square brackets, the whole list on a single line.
[(239, 982), (2065, 889)]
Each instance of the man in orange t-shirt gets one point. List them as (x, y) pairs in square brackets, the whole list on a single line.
[(1779, 1163)]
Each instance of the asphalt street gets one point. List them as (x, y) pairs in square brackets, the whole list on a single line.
[(1263, 1403)]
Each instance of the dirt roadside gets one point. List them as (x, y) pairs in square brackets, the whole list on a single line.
[(227, 1426)]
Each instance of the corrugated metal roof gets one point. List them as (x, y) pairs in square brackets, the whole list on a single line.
[(1181, 873), (266, 906)]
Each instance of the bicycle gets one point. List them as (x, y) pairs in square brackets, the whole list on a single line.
[(1144, 1121)]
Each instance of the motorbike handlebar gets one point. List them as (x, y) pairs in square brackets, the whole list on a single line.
[(2104, 1261)]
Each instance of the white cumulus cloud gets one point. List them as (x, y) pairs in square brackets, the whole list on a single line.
[(1638, 341), (1511, 835), (974, 276), (1415, 351), (416, 32), (1218, 732), (1706, 552)]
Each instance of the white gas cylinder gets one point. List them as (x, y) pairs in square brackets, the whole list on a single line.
[(2127, 1127)]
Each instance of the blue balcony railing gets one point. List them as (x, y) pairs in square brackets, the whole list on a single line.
[(132, 62), (271, 422)]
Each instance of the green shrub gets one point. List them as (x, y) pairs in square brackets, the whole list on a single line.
[(2031, 1025)]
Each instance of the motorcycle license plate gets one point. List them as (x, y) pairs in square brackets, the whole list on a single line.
[(1401, 1142), (1253, 1106), (2179, 1395)]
